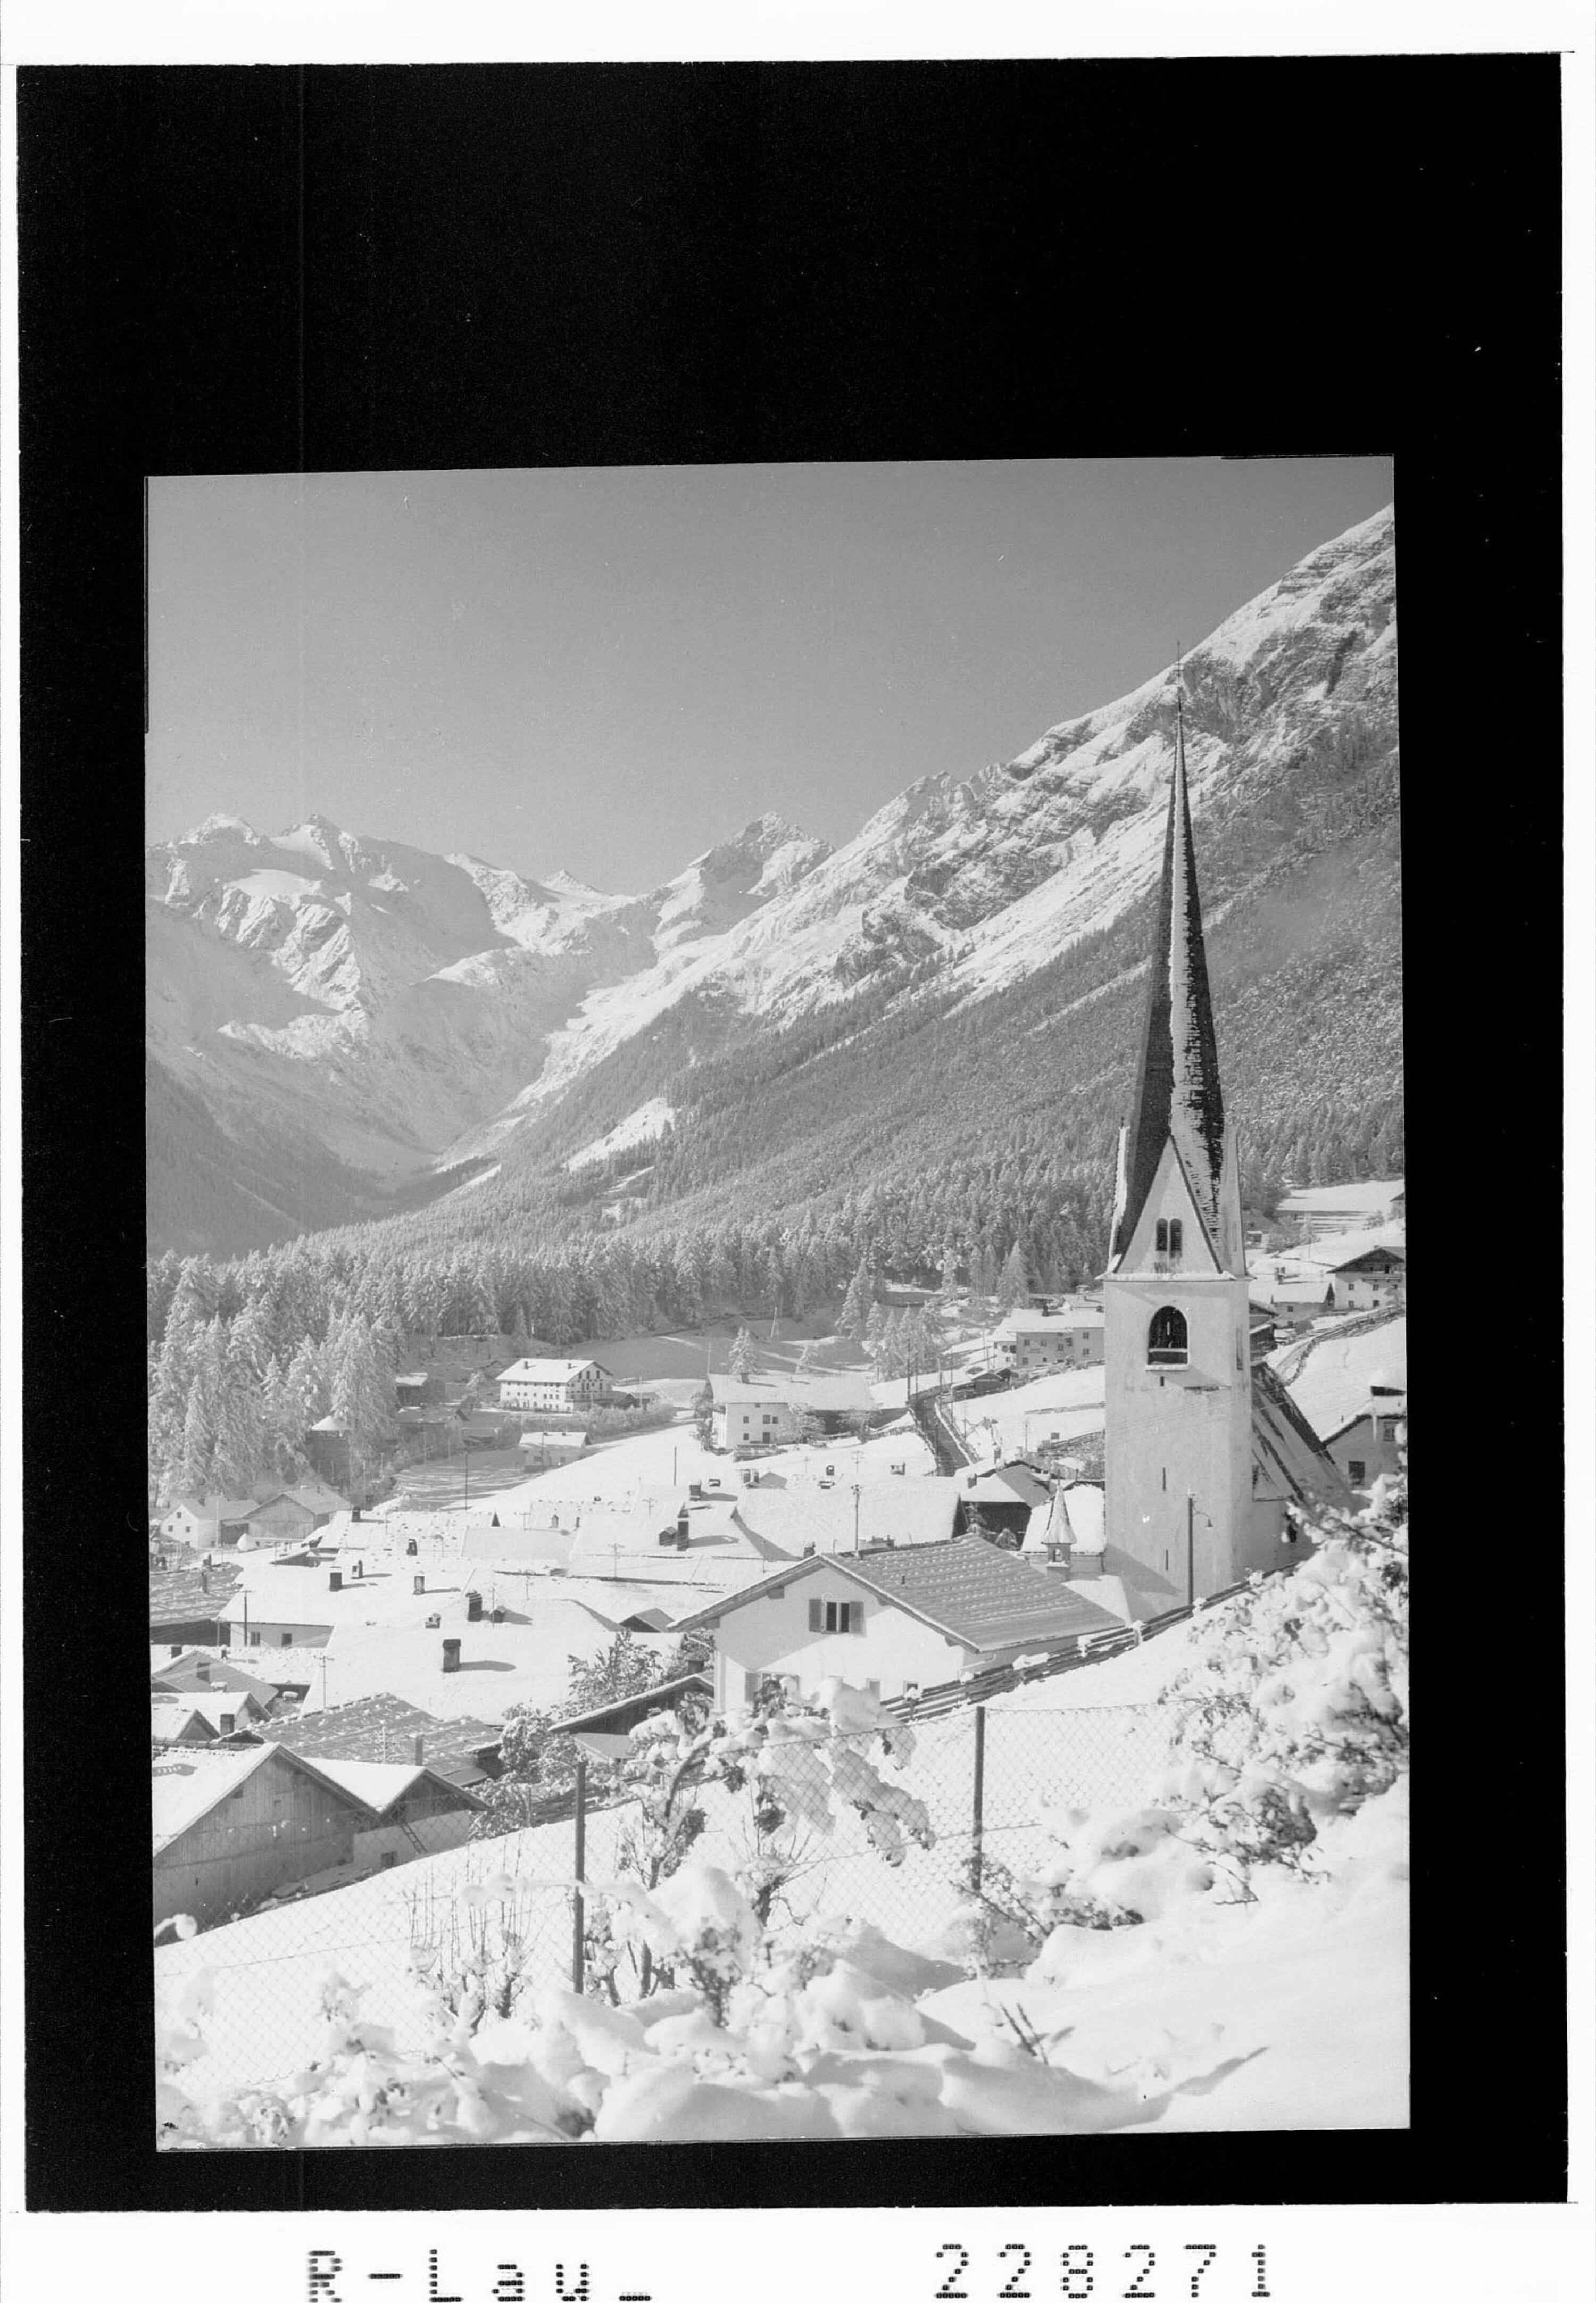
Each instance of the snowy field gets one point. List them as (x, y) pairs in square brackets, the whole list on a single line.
[(1066, 1404)]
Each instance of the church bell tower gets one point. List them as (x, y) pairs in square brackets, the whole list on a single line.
[(1178, 1444)]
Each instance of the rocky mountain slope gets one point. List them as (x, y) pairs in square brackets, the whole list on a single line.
[(381, 1020)]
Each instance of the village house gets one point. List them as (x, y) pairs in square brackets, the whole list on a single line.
[(200, 1717), (230, 1825), (1369, 1281), (890, 1621), (751, 1415), (553, 1386), (1368, 1445), (1341, 1207), (1001, 1503), (408, 1810), (184, 1671), (205, 1523), (186, 1601), (1032, 1343), (291, 1515), (774, 1408)]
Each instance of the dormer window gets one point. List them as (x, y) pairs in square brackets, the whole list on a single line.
[(1167, 1337)]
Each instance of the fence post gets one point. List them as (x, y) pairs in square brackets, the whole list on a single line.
[(979, 1786), (577, 1961)]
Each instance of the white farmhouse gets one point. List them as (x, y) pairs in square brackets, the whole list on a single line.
[(1034, 1341), (553, 1386), (204, 1521), (890, 1620)]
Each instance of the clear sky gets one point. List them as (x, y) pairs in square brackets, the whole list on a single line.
[(608, 671)]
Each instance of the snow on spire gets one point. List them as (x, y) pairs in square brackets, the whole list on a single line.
[(1177, 1081)]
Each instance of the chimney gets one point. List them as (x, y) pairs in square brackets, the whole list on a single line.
[(359, 1569), (473, 1607), (419, 1585), (176, 1652), (335, 1578), (420, 1750), (451, 1654)]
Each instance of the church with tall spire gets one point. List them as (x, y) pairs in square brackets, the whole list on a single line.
[(1205, 1450)]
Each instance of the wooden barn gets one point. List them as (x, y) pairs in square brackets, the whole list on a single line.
[(230, 1825)]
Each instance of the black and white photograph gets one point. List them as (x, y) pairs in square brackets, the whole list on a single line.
[(777, 1325), (761, 799)]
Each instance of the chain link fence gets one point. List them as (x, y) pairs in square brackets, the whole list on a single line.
[(506, 1909)]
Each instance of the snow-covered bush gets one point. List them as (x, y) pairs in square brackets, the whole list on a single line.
[(798, 1762), (810, 2034), (1296, 1710)]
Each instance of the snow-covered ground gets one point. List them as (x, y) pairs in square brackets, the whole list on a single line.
[(1067, 1405), (640, 1127), (1331, 1375)]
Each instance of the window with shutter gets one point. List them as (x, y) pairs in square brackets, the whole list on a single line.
[(817, 1616)]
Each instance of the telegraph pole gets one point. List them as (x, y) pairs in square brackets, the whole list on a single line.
[(1191, 1576)]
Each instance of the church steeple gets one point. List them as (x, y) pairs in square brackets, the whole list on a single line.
[(1178, 1096)]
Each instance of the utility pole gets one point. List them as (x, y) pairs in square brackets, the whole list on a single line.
[(1191, 1575), (856, 1519)]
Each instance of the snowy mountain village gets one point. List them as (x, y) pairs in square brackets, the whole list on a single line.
[(934, 1708)]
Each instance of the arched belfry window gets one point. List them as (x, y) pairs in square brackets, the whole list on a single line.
[(1166, 1236), (1166, 1337)]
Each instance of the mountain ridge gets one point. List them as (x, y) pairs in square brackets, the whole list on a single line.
[(417, 1011)]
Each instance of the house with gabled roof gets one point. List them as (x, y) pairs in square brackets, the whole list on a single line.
[(890, 1621), (230, 1825), (201, 1716), (553, 1386), (201, 1522), (411, 1809)]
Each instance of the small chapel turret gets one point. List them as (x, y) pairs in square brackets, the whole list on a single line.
[(1180, 1521)]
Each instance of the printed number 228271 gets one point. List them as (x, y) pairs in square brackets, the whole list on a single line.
[(1026, 2278)]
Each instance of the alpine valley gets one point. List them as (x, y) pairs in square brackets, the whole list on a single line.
[(924, 1037)]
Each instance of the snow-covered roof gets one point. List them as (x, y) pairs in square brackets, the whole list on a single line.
[(544, 1371), (1286, 1448), (1332, 1249), (1051, 1323), (987, 1599), (830, 1390), (183, 1790), (1338, 1372), (907, 1511), (1383, 1404), (1368, 1198), (384, 1727), (170, 1715), (210, 1507), (379, 1785), (1295, 1291), (200, 1673)]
